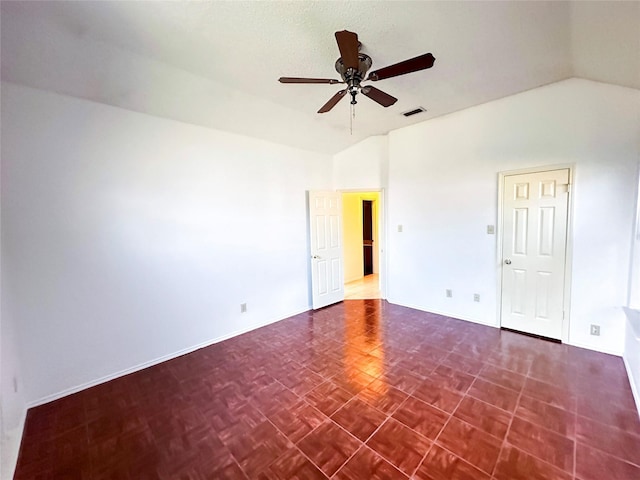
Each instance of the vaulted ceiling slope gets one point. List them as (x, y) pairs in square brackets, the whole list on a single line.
[(216, 64)]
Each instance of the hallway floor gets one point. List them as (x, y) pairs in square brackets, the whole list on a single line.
[(365, 288), (359, 390)]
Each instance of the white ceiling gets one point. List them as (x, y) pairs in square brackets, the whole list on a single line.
[(216, 64)]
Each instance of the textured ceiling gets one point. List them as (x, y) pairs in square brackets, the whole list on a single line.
[(216, 64)]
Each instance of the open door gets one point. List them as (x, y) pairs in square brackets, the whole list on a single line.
[(325, 221)]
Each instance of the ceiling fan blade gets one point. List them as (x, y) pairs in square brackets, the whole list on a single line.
[(412, 65), (379, 96), (348, 46), (330, 81), (333, 101)]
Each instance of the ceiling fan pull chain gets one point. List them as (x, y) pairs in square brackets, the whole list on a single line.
[(351, 117)]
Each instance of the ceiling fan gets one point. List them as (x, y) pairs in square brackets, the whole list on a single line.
[(353, 66)]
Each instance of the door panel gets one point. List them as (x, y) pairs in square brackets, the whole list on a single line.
[(535, 209), (325, 220)]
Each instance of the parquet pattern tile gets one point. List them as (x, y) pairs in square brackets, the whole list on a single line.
[(360, 390)]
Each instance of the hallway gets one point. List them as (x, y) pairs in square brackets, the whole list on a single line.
[(366, 288)]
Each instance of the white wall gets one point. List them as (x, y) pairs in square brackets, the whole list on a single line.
[(363, 166), (634, 270), (443, 190), (128, 238), (352, 236), (13, 405)]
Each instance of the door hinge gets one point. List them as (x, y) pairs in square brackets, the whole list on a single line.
[(568, 185)]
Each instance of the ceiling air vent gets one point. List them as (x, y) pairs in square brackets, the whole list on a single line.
[(415, 111)]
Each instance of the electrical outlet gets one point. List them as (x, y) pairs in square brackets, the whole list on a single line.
[(243, 307), (476, 297), (595, 330), (449, 293)]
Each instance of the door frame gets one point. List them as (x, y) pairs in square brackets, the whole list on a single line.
[(382, 234), (568, 249)]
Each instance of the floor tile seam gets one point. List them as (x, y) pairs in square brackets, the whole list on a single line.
[(481, 429), (294, 445), (434, 406), (471, 395), (332, 421), (594, 447), (435, 442), (498, 385), (480, 359), (508, 371), (460, 458), (431, 447), (34, 437), (541, 460), (489, 361), (544, 427), (354, 452), (490, 404), (546, 403), (614, 427), (404, 391), (288, 389), (554, 386), (477, 428), (437, 437), (506, 435), (357, 397), (615, 404), (575, 443), (389, 417), (235, 460), (411, 428), (360, 386)]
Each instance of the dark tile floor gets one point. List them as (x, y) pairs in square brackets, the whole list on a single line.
[(359, 390)]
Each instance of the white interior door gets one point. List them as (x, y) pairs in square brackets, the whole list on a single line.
[(325, 221), (535, 208)]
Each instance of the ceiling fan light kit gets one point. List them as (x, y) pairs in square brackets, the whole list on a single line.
[(352, 66)]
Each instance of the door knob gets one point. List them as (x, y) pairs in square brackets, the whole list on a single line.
[(507, 261)]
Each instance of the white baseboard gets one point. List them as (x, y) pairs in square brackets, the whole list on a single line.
[(11, 448), (594, 349), (155, 361), (445, 314)]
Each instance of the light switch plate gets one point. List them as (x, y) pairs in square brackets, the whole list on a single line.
[(399, 228), (491, 230)]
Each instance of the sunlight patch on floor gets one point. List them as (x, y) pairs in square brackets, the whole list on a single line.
[(365, 288)]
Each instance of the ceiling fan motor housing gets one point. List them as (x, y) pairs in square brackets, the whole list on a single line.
[(351, 76)]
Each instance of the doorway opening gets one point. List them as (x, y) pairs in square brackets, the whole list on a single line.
[(361, 240), (534, 210)]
